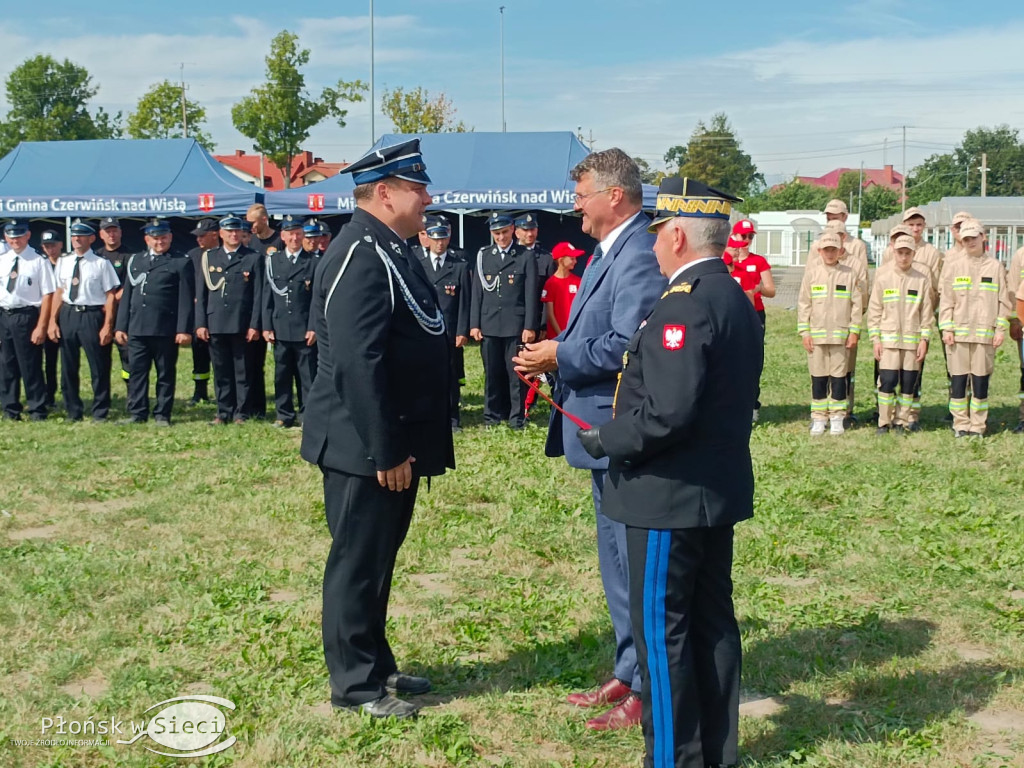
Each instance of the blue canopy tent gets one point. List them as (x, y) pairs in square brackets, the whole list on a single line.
[(121, 178)]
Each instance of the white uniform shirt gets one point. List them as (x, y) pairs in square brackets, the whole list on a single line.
[(33, 281), (96, 276)]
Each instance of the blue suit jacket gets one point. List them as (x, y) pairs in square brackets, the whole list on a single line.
[(602, 320)]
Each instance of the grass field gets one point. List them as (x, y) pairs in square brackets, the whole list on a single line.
[(880, 591)]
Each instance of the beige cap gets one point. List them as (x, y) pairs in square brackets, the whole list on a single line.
[(961, 216), (829, 240), (905, 241), (911, 213), (899, 229), (836, 206), (836, 227), (971, 228)]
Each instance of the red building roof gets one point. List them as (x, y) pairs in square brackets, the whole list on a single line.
[(302, 165), (880, 177)]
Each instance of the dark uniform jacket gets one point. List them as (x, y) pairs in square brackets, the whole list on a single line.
[(452, 283), (381, 393), (159, 295), (236, 306), (546, 267), (288, 315), (118, 260), (679, 444), (512, 306)]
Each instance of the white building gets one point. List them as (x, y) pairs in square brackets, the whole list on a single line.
[(785, 237)]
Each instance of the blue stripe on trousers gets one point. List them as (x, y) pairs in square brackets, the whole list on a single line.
[(655, 585)]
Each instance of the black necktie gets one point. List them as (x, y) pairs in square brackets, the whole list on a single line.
[(12, 279), (76, 278), (437, 263)]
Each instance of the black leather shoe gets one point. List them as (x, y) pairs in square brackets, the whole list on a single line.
[(386, 706), (399, 682), (162, 421), (914, 426), (882, 430)]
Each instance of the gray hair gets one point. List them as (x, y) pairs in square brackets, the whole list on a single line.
[(708, 237), (612, 168)]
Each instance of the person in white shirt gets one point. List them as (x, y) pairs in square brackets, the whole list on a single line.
[(83, 319), (26, 288)]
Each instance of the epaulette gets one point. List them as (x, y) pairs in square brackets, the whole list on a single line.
[(683, 287)]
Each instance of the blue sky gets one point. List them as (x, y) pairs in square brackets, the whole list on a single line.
[(808, 86)]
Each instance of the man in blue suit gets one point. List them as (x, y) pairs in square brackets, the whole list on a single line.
[(620, 286)]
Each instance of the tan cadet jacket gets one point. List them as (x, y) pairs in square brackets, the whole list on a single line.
[(901, 307), (1016, 277), (973, 299), (831, 303), (856, 259), (927, 258)]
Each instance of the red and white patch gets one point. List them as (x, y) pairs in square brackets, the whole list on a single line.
[(673, 337)]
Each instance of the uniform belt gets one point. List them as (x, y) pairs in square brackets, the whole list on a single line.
[(18, 310), (85, 308)]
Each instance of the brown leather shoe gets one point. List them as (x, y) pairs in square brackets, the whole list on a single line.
[(611, 692), (626, 714)]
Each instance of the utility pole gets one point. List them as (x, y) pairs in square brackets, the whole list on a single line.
[(184, 113), (984, 174), (591, 141), (373, 103), (860, 189), (885, 151), (501, 13), (903, 181)]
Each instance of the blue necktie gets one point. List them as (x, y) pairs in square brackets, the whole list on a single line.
[(591, 271)]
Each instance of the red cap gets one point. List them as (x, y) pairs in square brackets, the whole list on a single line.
[(744, 227), (561, 250), (734, 243)]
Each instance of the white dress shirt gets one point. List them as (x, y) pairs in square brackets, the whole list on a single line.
[(96, 276), (34, 279)]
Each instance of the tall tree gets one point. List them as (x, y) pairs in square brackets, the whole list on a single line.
[(648, 175), (937, 177), (416, 111), (792, 196), (49, 101), (158, 116), (959, 172), (277, 115), (878, 203), (715, 157), (846, 188)]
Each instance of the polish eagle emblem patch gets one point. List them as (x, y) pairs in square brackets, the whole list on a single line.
[(673, 337)]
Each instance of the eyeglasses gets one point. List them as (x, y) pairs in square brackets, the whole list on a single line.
[(746, 236), (580, 198)]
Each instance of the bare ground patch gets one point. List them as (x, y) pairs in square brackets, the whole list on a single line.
[(999, 721), (26, 534), (283, 596), (93, 686), (432, 583)]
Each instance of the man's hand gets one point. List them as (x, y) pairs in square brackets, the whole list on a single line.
[(310, 338), (590, 439), (475, 333), (878, 350), (252, 335), (922, 351), (538, 358), (997, 340), (397, 478), (38, 335), (121, 338), (181, 339), (106, 336), (203, 334), (808, 343), (268, 336), (54, 332), (529, 336), (851, 340), (460, 341), (947, 338)]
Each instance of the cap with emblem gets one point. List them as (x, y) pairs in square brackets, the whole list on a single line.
[(498, 220), (899, 229), (960, 217), (972, 228), (905, 241), (744, 227), (400, 161), (911, 213), (156, 226), (16, 228), (230, 222), (835, 226), (205, 226), (830, 240), (527, 221), (687, 197), (81, 229), (246, 225), (50, 236), (311, 227), (561, 250), (836, 206), (437, 227), (109, 221), (291, 222)]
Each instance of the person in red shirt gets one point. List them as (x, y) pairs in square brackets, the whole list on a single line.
[(557, 296), (743, 232), (748, 281)]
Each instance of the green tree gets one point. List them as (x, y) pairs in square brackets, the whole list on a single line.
[(792, 196), (675, 159), (878, 203), (648, 175), (158, 116), (49, 102), (847, 187), (1005, 160), (715, 157), (277, 115), (937, 177), (416, 111)]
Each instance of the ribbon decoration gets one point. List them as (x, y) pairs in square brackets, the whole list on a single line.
[(534, 384)]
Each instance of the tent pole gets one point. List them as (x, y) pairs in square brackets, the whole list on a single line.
[(462, 231)]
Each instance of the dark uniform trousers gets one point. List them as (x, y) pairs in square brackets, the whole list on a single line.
[(294, 361), (200, 360), (80, 330), (20, 359), (229, 352), (162, 352), (255, 404), (688, 643), (504, 394), (51, 353), (368, 524), (458, 374)]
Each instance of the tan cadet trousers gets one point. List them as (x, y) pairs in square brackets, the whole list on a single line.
[(827, 360), (970, 414), (896, 409)]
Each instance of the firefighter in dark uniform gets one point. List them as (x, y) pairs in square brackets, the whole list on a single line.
[(526, 236), (155, 317), (503, 314), (206, 235), (287, 294), (228, 308), (113, 251), (680, 478), (377, 419), (449, 272), (256, 351), (312, 232)]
